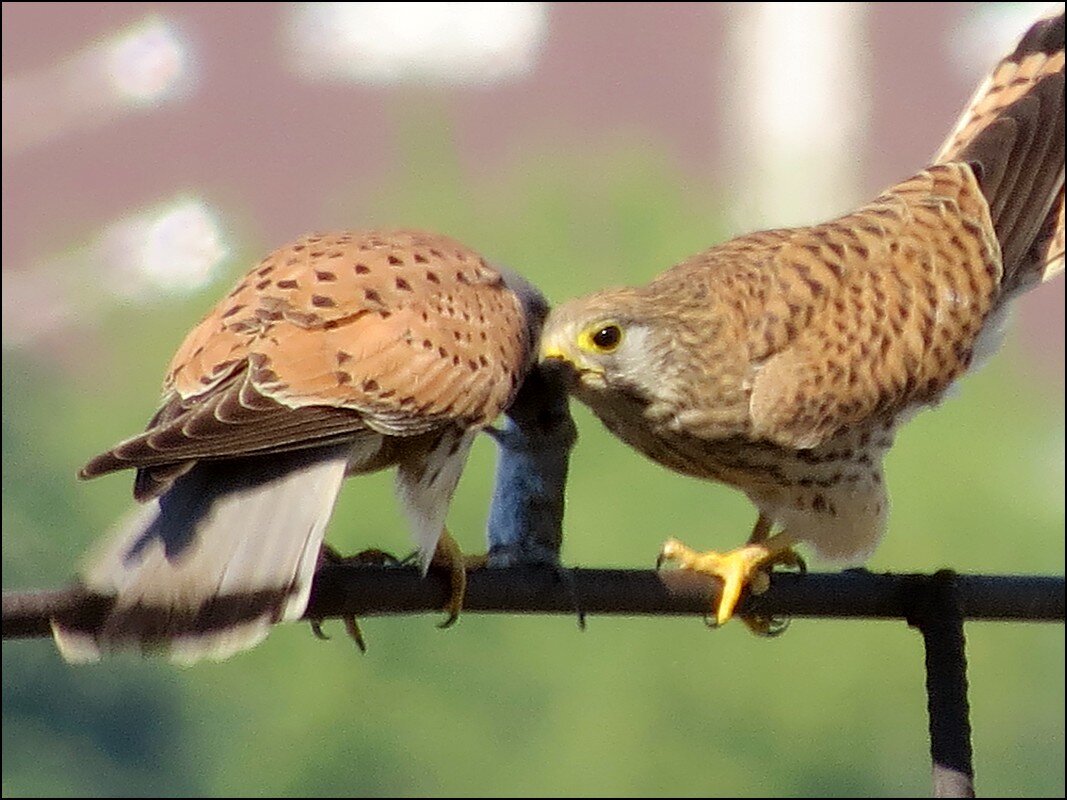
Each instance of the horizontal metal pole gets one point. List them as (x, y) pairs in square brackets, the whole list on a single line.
[(359, 590)]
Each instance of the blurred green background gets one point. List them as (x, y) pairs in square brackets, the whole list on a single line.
[(512, 706)]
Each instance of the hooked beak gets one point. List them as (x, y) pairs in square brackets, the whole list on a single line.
[(557, 362), (572, 369), (553, 352), (550, 349)]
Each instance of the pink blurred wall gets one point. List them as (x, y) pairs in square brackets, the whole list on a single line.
[(252, 133)]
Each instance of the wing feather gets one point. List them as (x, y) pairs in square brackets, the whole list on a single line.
[(334, 336)]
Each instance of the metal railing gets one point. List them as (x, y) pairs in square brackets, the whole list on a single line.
[(937, 605)]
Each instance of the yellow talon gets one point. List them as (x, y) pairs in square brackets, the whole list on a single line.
[(745, 566)]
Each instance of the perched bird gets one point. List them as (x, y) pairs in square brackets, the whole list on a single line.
[(339, 354), (782, 362)]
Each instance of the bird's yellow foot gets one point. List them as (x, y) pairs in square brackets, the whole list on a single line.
[(745, 566), (373, 557), (448, 556)]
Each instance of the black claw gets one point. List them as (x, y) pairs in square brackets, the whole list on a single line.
[(370, 557), (775, 626), (571, 584), (354, 632), (778, 626), (711, 622), (351, 627)]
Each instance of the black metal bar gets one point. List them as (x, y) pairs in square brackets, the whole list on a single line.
[(341, 589), (936, 613), (935, 604)]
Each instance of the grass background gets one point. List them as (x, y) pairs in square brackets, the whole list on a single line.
[(502, 706)]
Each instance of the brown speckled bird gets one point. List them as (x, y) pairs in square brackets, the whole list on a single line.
[(782, 362), (338, 354)]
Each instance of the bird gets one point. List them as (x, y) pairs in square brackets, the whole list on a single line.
[(338, 354), (782, 362)]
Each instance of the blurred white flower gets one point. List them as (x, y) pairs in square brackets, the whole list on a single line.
[(173, 248), (465, 43), (797, 113), (147, 64), (141, 67)]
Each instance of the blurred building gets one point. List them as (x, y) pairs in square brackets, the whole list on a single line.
[(139, 139)]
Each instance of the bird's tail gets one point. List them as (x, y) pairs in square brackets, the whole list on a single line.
[(204, 570), (1012, 135)]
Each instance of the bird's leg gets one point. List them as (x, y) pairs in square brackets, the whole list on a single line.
[(328, 555), (449, 556), (761, 530), (761, 581), (738, 568)]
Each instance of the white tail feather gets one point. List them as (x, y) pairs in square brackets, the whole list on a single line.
[(243, 533)]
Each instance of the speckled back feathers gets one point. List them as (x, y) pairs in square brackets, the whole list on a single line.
[(394, 332)]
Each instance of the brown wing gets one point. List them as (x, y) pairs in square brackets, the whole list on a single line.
[(394, 332), (917, 272), (1038, 54), (889, 319), (1012, 131)]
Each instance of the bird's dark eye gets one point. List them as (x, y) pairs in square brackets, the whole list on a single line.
[(607, 338)]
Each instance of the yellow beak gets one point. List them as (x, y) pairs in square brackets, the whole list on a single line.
[(573, 364), (550, 351), (551, 347)]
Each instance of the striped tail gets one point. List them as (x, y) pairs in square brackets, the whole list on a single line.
[(1012, 135), (207, 567)]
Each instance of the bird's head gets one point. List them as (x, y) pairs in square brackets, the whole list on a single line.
[(602, 342)]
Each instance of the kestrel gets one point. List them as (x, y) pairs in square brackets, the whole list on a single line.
[(782, 362), (339, 354)]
